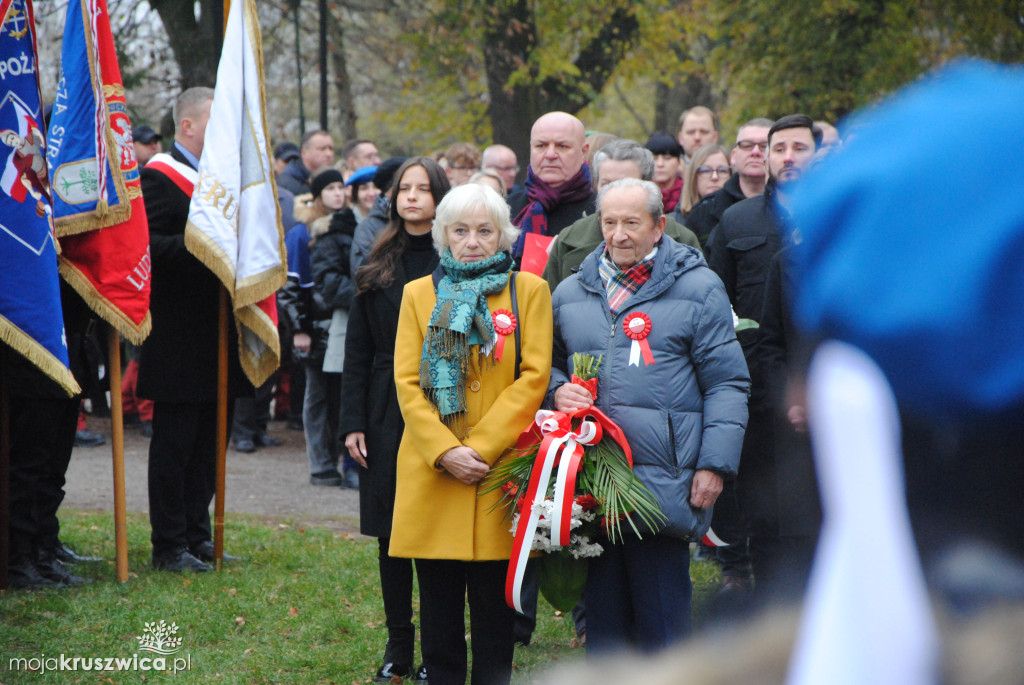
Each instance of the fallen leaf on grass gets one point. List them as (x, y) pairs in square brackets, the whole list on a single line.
[(292, 611), (48, 614), (239, 621), (232, 591), (186, 581)]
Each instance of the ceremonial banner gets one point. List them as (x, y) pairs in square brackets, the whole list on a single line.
[(98, 209), (234, 223), (31, 321)]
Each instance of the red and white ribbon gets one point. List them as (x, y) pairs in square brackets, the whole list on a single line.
[(562, 446), (504, 325), (638, 326)]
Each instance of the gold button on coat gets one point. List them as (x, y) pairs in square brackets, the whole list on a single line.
[(475, 386)]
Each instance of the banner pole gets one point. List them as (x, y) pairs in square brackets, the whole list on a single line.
[(222, 427), (117, 446), (222, 402), (5, 468)]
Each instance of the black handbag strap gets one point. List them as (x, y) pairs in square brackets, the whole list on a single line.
[(439, 274), (519, 323)]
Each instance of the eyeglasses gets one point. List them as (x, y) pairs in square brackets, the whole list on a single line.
[(719, 170), (748, 145), (506, 169)]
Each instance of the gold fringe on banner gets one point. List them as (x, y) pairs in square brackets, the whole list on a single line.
[(103, 307), (23, 344)]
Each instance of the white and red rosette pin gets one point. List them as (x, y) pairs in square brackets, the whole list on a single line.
[(504, 325), (638, 326)]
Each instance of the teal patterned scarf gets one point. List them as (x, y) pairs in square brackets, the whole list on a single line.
[(460, 321)]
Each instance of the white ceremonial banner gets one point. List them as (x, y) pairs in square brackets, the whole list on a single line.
[(234, 224), (866, 617)]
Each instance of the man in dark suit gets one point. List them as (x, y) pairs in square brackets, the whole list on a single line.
[(178, 363)]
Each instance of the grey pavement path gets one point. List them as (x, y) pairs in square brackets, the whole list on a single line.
[(272, 483)]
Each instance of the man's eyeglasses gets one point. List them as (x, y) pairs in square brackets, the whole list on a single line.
[(505, 169), (748, 145), (717, 170)]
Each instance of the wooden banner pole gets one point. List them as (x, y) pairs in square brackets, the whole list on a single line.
[(117, 446)]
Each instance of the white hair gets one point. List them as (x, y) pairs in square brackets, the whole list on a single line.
[(464, 198)]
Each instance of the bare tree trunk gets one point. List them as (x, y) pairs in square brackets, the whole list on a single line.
[(196, 44), (339, 63)]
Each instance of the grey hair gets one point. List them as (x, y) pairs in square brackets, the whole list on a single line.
[(187, 102), (625, 150), (654, 206), (761, 122), (464, 198)]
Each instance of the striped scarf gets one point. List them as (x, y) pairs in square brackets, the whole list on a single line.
[(621, 285)]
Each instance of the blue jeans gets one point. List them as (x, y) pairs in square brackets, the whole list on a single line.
[(638, 595)]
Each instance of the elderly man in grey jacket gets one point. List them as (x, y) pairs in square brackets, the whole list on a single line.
[(674, 378)]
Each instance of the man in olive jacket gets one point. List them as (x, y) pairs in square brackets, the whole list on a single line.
[(683, 407)]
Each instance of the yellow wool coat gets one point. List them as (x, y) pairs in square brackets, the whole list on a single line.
[(437, 516)]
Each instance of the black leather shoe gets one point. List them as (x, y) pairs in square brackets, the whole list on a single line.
[(179, 559), (389, 670), (24, 574), (266, 440), (66, 555), (329, 479), (420, 677), (49, 567), (245, 446), (204, 552)]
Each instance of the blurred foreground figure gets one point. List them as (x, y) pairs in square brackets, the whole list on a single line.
[(911, 267)]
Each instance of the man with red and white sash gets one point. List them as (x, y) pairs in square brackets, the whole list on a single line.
[(178, 361), (673, 377)]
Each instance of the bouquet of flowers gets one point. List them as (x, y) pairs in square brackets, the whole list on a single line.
[(569, 480)]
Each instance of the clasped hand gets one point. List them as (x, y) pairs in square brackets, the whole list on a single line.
[(464, 464)]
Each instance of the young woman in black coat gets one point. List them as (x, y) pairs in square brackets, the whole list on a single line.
[(371, 419)]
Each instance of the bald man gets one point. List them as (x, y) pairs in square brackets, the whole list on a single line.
[(558, 191)]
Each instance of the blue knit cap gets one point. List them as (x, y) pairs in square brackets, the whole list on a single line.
[(911, 241)]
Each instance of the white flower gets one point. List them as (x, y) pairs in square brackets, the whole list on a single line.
[(579, 545)]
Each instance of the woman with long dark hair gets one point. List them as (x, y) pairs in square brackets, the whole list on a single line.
[(371, 420)]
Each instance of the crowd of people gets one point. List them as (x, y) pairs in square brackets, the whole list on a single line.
[(397, 268)]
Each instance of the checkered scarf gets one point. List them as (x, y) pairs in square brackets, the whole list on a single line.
[(621, 285)]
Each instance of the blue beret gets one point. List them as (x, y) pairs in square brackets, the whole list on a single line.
[(361, 176), (911, 237)]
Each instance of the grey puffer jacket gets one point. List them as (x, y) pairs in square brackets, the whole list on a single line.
[(688, 410)]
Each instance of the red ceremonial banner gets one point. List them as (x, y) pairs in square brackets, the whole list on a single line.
[(110, 266)]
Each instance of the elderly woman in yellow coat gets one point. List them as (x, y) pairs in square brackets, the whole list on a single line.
[(464, 405)]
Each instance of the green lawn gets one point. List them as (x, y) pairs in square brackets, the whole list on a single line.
[(305, 608)]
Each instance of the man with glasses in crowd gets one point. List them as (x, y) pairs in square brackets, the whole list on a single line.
[(503, 160), (749, 174)]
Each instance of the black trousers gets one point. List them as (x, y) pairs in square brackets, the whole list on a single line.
[(444, 586), (396, 590), (182, 473), (42, 437), (252, 414)]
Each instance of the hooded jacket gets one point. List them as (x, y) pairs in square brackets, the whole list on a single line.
[(688, 410)]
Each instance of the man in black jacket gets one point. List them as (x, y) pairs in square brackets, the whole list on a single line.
[(316, 150), (747, 160), (178, 362), (742, 248)]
